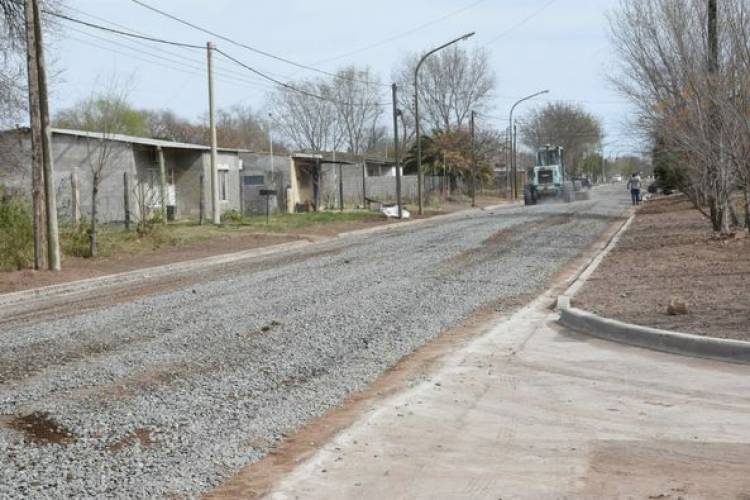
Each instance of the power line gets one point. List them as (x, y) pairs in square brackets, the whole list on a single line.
[(194, 64), (120, 32), (257, 72), (287, 85), (249, 47), (403, 34), (521, 22)]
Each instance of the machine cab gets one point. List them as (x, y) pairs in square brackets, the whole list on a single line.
[(549, 170)]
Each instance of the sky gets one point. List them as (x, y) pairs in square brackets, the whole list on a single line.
[(560, 45)]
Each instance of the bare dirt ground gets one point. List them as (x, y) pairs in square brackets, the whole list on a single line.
[(669, 252)]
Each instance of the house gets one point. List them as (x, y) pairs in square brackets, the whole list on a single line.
[(144, 161), (264, 171)]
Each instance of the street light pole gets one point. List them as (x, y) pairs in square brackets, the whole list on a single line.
[(512, 146), (396, 114), (416, 110)]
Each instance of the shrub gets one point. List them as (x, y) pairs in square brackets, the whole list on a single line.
[(16, 235), (231, 217), (76, 240)]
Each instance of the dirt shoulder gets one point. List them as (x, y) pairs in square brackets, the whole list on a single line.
[(669, 253)]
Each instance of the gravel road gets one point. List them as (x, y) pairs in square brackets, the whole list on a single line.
[(170, 393)]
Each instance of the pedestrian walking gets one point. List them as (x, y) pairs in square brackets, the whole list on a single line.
[(634, 184)]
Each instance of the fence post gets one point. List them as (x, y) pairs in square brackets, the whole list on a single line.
[(74, 197), (201, 203), (126, 199)]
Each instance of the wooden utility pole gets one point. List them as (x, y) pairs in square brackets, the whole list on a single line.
[(53, 241), (473, 162), (212, 124), (37, 165)]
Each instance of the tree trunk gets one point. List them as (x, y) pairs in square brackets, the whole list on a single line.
[(94, 194), (747, 206), (715, 214)]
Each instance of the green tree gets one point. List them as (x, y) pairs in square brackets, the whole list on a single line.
[(108, 109)]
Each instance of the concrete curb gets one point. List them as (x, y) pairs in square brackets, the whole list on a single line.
[(733, 351)]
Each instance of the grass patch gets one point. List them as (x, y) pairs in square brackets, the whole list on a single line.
[(16, 235), (113, 240)]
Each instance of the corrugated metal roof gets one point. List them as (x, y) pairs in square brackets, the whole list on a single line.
[(141, 140)]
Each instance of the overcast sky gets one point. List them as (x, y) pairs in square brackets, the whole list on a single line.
[(561, 45)]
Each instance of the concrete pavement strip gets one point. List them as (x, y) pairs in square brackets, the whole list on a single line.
[(137, 275)]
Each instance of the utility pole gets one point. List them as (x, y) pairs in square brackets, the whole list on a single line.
[(270, 144), (212, 124), (396, 159), (50, 198), (37, 162), (473, 162)]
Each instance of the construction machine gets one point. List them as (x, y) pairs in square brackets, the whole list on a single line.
[(547, 177)]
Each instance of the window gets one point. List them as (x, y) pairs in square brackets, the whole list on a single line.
[(223, 184), (253, 180)]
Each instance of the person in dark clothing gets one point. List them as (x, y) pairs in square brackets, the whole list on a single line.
[(634, 184)]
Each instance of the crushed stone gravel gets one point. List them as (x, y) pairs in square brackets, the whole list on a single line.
[(172, 393)]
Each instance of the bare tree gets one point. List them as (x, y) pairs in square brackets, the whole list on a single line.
[(307, 118), (13, 84), (356, 96), (105, 113), (566, 125), (687, 89), (452, 83)]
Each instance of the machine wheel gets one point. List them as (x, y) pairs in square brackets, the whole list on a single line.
[(528, 197)]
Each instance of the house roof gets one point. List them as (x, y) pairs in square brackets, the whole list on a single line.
[(146, 141)]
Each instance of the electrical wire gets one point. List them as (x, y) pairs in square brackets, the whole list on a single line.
[(249, 47), (401, 35), (120, 32), (521, 22), (255, 71), (287, 85), (194, 64)]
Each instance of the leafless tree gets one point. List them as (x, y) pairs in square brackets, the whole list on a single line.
[(13, 83), (106, 113), (308, 119), (693, 104), (452, 83), (562, 124), (357, 98)]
